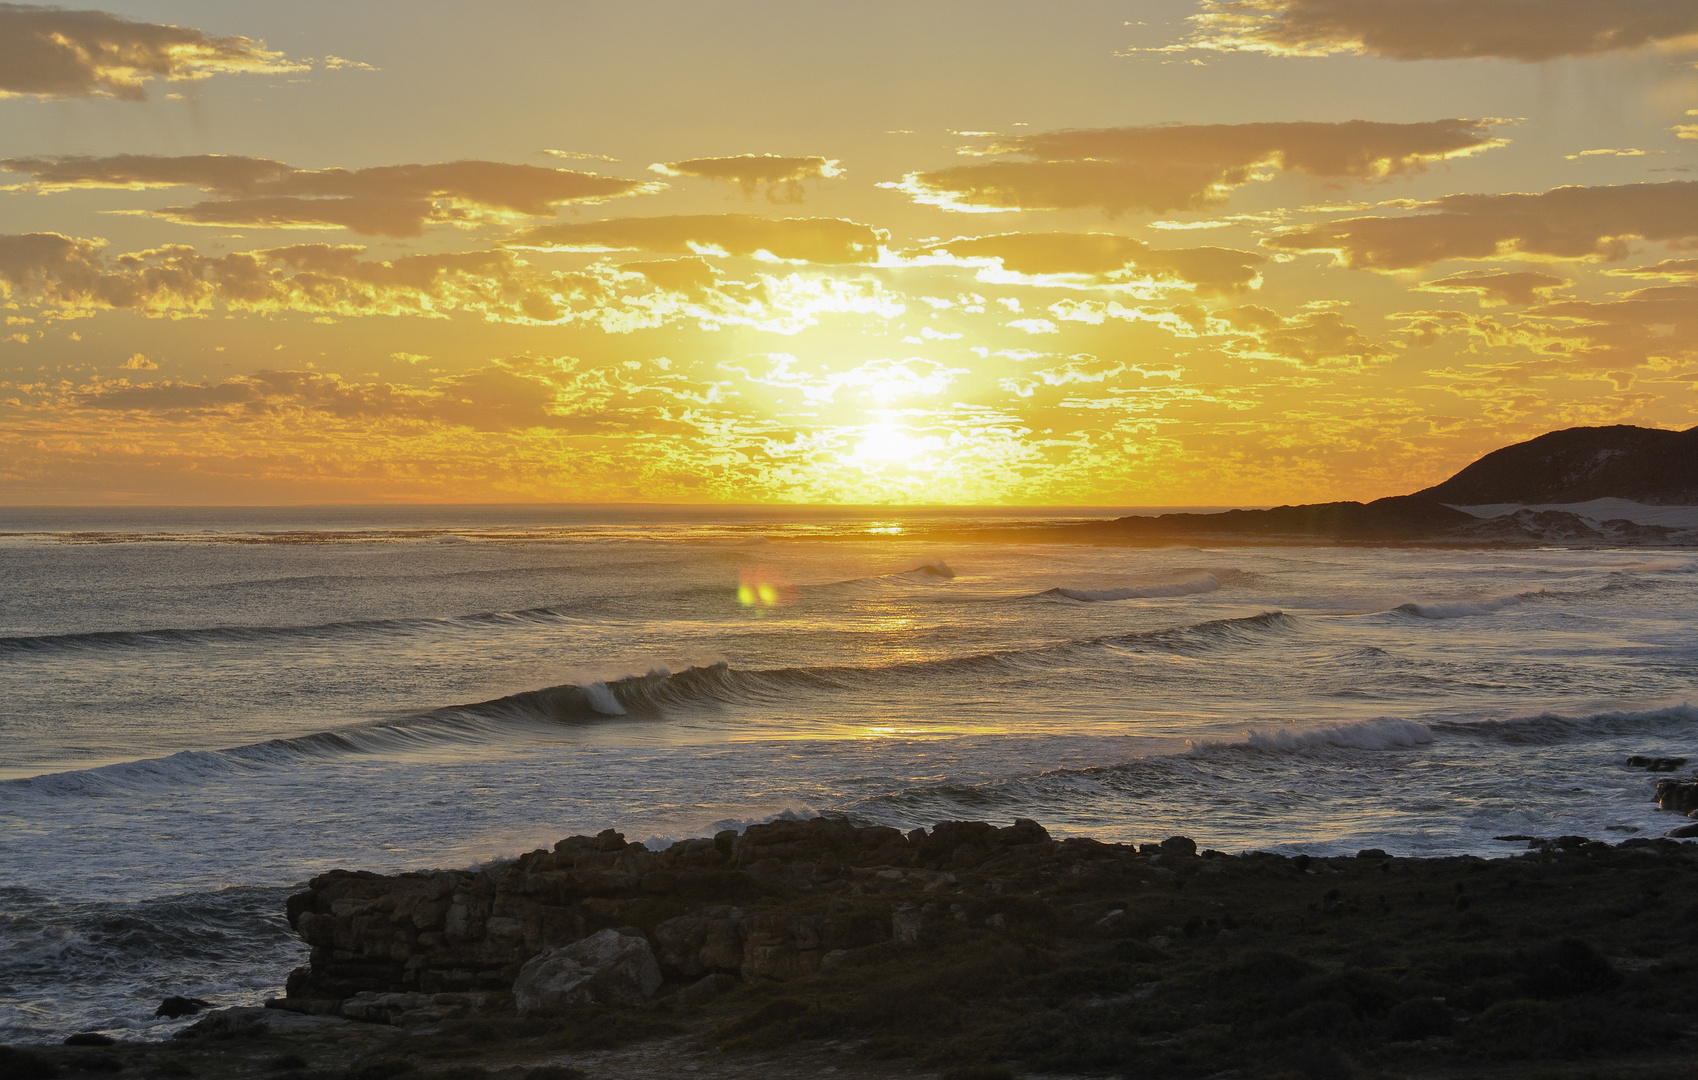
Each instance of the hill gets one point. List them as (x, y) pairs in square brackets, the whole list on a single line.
[(1580, 464)]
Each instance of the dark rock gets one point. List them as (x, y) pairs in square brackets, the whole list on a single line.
[(1680, 797), (1371, 853), (173, 1007), (1655, 764), (232, 1023), (90, 1038), (1179, 845), (605, 968), (1684, 831)]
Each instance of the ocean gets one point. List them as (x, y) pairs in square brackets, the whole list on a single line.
[(201, 709)]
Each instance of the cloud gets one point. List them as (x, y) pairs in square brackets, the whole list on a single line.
[(1105, 258), (831, 241), (388, 200), (1666, 270), (692, 274), (1187, 167), (1519, 288), (781, 176), (71, 277), (1564, 223), (1312, 339), (491, 398), (1524, 30), (51, 53), (138, 362)]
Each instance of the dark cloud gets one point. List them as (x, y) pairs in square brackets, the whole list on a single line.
[(832, 241), (1526, 30), (388, 200), (51, 53), (1186, 167), (1564, 223), (1105, 258), (781, 176)]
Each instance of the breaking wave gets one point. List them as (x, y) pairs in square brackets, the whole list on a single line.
[(1549, 729), (1202, 583), (653, 695), (1463, 609), (239, 635)]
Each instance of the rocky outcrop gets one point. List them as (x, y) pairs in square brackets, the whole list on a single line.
[(750, 906)]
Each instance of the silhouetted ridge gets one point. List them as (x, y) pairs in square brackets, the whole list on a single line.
[(1398, 515), (1580, 464)]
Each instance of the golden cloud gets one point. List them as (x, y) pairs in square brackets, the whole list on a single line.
[(1564, 223), (1186, 167), (73, 277), (491, 398), (1525, 30), (1106, 258), (1666, 270), (829, 241), (781, 176), (50, 53), (1518, 288), (388, 200)]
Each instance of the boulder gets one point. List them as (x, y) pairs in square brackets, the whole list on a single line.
[(605, 968), (1655, 764), (1680, 797), (1179, 845), (173, 1007)]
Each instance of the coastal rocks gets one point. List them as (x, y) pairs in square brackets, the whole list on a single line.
[(1655, 764), (399, 949), (605, 968), (709, 940), (1678, 796), (175, 1007)]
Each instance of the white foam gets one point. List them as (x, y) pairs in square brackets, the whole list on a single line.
[(601, 699)]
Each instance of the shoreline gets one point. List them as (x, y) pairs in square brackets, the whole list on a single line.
[(799, 946)]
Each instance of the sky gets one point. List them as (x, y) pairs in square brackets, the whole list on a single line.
[(1149, 252)]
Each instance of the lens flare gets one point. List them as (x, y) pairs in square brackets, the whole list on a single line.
[(760, 588)]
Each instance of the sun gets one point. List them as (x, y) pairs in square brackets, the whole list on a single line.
[(887, 443)]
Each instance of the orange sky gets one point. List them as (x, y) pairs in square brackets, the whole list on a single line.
[(1164, 253)]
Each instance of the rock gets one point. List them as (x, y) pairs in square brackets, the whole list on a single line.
[(1179, 845), (1377, 853), (237, 1022), (705, 989), (906, 924), (173, 1007), (90, 1038), (781, 947), (1684, 831), (1655, 764), (1675, 795), (707, 940), (605, 968)]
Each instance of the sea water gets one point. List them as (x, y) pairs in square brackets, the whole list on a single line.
[(200, 710)]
